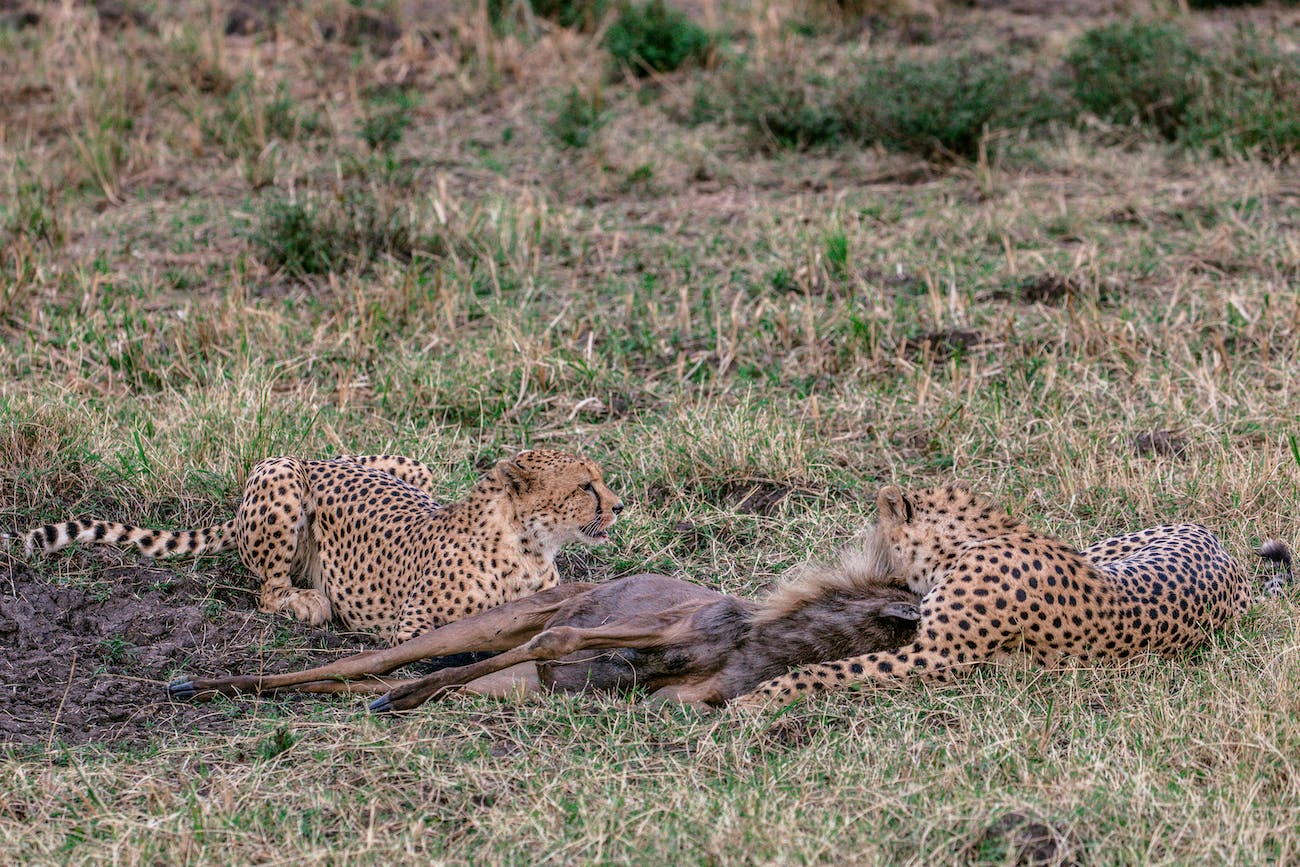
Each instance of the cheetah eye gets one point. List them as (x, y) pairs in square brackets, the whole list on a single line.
[(589, 488)]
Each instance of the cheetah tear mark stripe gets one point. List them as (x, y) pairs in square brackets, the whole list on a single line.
[(151, 543)]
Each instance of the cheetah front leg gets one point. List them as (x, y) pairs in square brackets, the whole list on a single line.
[(955, 631), (924, 659), (272, 527)]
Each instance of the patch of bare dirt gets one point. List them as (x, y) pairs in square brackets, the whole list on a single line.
[(1018, 838), (84, 665), (1160, 443), (757, 498)]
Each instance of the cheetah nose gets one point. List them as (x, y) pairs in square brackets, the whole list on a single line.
[(616, 508)]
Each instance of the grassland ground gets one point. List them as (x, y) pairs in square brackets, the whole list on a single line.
[(451, 231)]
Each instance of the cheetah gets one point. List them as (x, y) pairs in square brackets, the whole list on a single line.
[(375, 549), (992, 585)]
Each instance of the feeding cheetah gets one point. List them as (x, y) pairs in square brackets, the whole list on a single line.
[(992, 585), (377, 551)]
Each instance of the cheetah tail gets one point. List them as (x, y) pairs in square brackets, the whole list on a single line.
[(151, 543), (1276, 552)]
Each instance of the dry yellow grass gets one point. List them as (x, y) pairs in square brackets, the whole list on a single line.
[(704, 320)]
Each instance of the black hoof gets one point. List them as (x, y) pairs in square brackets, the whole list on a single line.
[(182, 689), (381, 705)]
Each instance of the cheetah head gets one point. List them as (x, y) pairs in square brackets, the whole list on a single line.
[(559, 498), (920, 534)]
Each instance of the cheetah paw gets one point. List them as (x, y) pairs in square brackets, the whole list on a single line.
[(309, 606), (757, 701)]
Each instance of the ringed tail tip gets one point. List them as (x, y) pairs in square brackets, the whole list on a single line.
[(1276, 551)]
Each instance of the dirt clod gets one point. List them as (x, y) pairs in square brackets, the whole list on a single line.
[(942, 345), (1162, 443)]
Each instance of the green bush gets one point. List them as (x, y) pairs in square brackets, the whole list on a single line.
[(941, 108), (1136, 72), (580, 14), (656, 38), (1241, 96), (248, 119), (1251, 102), (780, 107)]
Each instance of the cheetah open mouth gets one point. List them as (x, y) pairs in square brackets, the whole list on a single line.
[(594, 531)]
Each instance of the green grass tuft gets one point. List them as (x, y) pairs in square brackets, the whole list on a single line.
[(577, 119), (386, 119), (344, 233)]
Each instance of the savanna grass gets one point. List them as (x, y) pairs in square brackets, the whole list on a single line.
[(751, 345)]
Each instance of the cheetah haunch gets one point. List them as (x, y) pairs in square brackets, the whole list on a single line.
[(378, 552), (992, 585)]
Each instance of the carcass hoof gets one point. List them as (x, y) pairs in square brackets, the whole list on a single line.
[(181, 689)]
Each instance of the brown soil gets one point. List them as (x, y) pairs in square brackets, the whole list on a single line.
[(87, 664)]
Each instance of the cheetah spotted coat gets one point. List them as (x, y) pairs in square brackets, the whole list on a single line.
[(372, 545), (992, 585)]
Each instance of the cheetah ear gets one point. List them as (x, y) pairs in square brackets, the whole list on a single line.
[(901, 611), (894, 505), (514, 475)]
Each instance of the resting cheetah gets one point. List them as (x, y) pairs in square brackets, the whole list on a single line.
[(991, 585), (376, 549)]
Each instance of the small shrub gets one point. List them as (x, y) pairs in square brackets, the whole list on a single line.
[(290, 237), (781, 107), (1240, 96), (940, 108), (386, 120), (1251, 102), (578, 14), (1136, 72), (656, 38), (1247, 118), (576, 120)]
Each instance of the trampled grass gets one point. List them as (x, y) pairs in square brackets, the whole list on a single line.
[(355, 229)]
